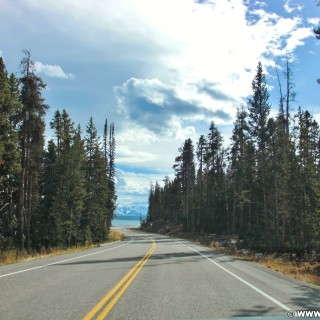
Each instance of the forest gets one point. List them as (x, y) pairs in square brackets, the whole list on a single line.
[(264, 187), (59, 195)]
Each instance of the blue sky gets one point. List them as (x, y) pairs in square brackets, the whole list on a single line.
[(161, 70)]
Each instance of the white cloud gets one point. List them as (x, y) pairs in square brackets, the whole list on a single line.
[(314, 21), (260, 3), (53, 71), (180, 35), (133, 188), (288, 7), (136, 182), (161, 108), (176, 65), (296, 38), (137, 147), (210, 72), (136, 133), (1, 53), (129, 156)]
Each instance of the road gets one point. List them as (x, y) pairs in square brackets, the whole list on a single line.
[(148, 276)]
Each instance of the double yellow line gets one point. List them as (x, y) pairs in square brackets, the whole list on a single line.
[(112, 297)]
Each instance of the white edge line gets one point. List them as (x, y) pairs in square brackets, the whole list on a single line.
[(106, 244), (53, 263), (283, 306)]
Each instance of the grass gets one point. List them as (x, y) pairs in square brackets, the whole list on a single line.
[(115, 236), (305, 271), (13, 256)]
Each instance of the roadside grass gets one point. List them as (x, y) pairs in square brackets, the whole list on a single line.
[(13, 256), (115, 236), (306, 271)]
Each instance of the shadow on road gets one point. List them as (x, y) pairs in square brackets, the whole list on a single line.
[(166, 258), (307, 299), (257, 311)]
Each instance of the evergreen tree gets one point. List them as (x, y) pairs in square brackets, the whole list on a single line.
[(111, 168), (32, 145), (215, 202), (201, 185), (259, 110), (60, 196), (68, 200), (46, 223), (185, 175), (9, 155), (308, 159), (242, 175), (100, 220), (91, 144)]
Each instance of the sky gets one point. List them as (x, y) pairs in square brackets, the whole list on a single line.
[(161, 70)]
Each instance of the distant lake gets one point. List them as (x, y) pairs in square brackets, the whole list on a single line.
[(125, 223)]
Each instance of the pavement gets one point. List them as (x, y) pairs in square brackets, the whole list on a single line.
[(149, 276)]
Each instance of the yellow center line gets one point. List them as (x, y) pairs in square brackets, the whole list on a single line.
[(117, 291), (115, 299)]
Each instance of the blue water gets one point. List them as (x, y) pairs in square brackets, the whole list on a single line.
[(125, 223)]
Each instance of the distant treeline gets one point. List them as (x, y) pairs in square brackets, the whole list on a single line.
[(62, 195), (265, 186)]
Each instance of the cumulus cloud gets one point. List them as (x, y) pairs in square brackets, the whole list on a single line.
[(212, 90), (1, 54), (136, 133), (52, 71), (211, 72), (133, 188), (138, 147), (129, 156), (135, 182), (159, 107)]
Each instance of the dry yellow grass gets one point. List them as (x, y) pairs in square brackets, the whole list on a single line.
[(115, 235), (304, 271), (12, 256)]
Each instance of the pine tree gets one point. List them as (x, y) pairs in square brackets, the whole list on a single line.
[(185, 174), (100, 191), (47, 223), (105, 142), (111, 168), (32, 145), (215, 180), (68, 201), (259, 110), (91, 143), (201, 186), (309, 209), (242, 175), (9, 154)]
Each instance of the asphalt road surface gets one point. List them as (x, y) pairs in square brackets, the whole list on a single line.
[(148, 276)]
